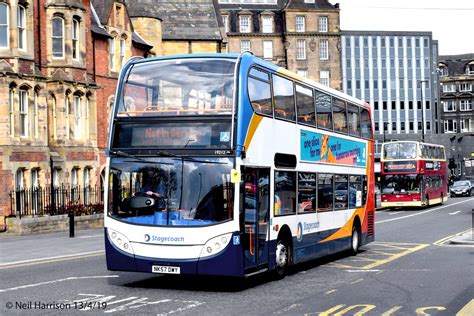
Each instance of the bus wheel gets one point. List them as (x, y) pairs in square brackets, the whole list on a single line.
[(355, 240), (282, 258)]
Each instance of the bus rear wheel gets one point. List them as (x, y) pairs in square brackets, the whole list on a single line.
[(282, 258), (355, 240)]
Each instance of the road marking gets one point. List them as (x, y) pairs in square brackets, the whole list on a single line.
[(58, 281), (454, 213), (392, 310), (91, 236), (424, 212), (23, 263), (421, 311), (467, 310), (364, 270), (365, 309), (330, 292), (357, 281), (395, 213)]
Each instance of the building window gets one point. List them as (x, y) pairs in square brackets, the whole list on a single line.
[(267, 24), (56, 177), (74, 184), (450, 126), (449, 105), (21, 25), (20, 179), (77, 117), (87, 185), (324, 77), (244, 46), (469, 68), (35, 114), (225, 21), (302, 72), (449, 87), (466, 125), (4, 29), (122, 52), (465, 105), (112, 53), (244, 24), (55, 121), (300, 23), (75, 39), (323, 24), (300, 49), (267, 49), (428, 126), (465, 87), (23, 103), (58, 37), (323, 49), (67, 109), (11, 111), (86, 118)]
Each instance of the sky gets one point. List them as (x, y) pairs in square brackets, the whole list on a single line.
[(450, 21)]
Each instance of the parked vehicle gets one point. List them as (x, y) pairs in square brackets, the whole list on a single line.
[(463, 187)]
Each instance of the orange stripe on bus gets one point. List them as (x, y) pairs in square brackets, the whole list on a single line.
[(254, 122)]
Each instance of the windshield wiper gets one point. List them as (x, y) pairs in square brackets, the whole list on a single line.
[(124, 154)]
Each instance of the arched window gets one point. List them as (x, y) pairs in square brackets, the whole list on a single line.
[(4, 33), (77, 116), (443, 70), (34, 122), (470, 68), (24, 112), (11, 110), (57, 25), (122, 51), (55, 119), (75, 38), (21, 26), (67, 111), (112, 53)]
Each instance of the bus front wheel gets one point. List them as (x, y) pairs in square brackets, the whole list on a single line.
[(282, 257), (355, 240)]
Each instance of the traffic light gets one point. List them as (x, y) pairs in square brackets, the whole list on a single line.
[(452, 164)]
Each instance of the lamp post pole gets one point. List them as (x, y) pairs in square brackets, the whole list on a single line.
[(422, 110)]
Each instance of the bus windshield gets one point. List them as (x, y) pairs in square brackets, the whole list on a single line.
[(172, 191), (399, 151), (400, 184), (189, 86)]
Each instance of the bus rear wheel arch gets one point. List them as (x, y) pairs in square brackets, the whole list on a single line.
[(355, 237), (283, 253)]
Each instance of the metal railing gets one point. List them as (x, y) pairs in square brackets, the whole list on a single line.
[(40, 201)]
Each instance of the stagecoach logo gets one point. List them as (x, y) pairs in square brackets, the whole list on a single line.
[(299, 232), (162, 239)]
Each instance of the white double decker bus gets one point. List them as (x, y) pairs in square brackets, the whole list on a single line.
[(223, 164)]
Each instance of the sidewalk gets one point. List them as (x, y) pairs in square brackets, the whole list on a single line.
[(467, 238), (43, 247)]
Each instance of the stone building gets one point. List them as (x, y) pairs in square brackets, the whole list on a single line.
[(456, 111), (59, 64), (301, 35)]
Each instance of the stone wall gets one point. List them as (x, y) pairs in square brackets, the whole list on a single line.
[(51, 224)]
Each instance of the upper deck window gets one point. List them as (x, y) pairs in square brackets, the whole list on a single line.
[(284, 98), (400, 151), (192, 86)]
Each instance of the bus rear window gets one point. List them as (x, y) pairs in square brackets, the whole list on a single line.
[(193, 86)]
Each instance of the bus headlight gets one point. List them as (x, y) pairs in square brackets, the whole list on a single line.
[(215, 245), (120, 241)]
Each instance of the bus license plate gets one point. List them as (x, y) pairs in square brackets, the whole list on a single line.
[(165, 269)]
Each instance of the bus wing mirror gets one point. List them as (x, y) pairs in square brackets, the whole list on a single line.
[(235, 176)]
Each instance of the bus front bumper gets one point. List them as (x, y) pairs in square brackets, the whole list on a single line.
[(228, 262)]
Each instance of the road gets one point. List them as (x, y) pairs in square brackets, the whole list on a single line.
[(411, 269)]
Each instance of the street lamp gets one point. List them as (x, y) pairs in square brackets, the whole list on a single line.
[(422, 110)]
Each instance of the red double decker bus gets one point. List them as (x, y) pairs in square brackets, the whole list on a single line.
[(413, 174)]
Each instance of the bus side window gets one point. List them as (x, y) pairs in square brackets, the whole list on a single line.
[(285, 193), (323, 110), (260, 96), (284, 98), (340, 116), (365, 124), (305, 105), (325, 192), (353, 119)]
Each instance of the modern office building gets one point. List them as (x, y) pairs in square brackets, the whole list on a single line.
[(396, 73)]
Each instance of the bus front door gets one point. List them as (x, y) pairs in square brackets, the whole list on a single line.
[(255, 197)]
